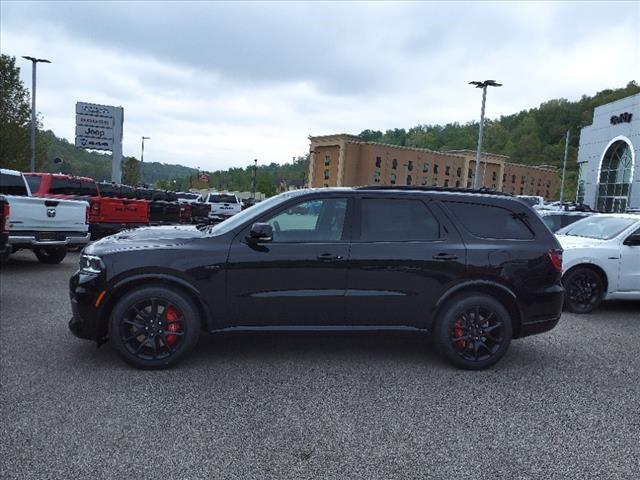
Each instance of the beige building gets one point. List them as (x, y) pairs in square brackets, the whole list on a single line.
[(346, 160)]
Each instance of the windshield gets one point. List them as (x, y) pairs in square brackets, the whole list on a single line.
[(253, 212), (600, 228)]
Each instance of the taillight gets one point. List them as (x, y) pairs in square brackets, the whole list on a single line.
[(5, 215), (86, 215), (555, 256), (95, 208)]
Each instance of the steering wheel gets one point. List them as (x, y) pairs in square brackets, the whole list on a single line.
[(276, 227)]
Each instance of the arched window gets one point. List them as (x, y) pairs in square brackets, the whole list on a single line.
[(615, 178)]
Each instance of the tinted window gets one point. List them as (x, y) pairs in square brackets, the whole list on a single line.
[(108, 190), (64, 186), (88, 187), (189, 196), (310, 221), (396, 220), (34, 182), (144, 194), (554, 222), (12, 185), (487, 221), (126, 192)]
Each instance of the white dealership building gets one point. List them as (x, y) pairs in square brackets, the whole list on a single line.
[(608, 157)]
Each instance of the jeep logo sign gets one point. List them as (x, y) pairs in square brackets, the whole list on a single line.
[(51, 212), (622, 118)]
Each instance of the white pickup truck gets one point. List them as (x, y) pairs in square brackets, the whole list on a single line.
[(45, 225), (223, 205)]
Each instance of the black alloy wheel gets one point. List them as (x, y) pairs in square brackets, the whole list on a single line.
[(584, 290), (154, 327), (473, 332)]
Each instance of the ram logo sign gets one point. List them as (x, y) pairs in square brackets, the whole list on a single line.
[(51, 212)]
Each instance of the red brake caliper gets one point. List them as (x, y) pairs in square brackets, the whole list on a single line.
[(172, 325), (458, 331)]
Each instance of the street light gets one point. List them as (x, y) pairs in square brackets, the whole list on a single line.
[(255, 169), (34, 61), (483, 86), (142, 157)]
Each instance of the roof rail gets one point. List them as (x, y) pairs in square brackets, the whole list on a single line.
[(487, 191)]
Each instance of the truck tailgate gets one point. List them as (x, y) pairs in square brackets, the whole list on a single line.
[(47, 214)]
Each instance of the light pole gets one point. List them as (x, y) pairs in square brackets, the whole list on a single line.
[(483, 86), (142, 157), (255, 170), (34, 61)]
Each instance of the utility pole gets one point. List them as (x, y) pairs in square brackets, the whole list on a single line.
[(142, 158), (483, 86), (255, 170), (34, 61), (564, 165)]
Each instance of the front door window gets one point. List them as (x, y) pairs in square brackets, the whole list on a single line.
[(310, 221)]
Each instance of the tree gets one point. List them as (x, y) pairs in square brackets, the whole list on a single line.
[(130, 171), (15, 113)]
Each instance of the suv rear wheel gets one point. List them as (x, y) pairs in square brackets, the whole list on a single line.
[(473, 332), (154, 327), (584, 290), (50, 255)]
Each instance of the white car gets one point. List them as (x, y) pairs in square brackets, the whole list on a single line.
[(601, 260)]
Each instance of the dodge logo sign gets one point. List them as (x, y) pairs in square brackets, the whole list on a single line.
[(622, 118), (51, 212)]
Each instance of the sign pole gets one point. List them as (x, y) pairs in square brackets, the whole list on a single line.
[(116, 153)]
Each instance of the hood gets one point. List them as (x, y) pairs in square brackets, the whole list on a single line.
[(146, 238), (572, 241)]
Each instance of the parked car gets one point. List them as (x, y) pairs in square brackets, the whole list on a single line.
[(45, 225), (223, 206), (601, 260), (475, 270), (164, 208), (5, 248), (113, 208), (199, 210), (557, 219)]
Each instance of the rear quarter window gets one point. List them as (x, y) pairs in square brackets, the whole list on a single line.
[(489, 221)]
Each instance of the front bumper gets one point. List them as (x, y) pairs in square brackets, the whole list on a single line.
[(48, 239), (84, 291)]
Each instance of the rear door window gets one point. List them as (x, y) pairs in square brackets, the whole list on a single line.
[(489, 221), (396, 220), (12, 185)]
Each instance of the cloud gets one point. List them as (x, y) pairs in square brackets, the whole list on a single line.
[(218, 84)]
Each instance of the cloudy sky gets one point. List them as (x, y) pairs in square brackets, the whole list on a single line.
[(217, 84)]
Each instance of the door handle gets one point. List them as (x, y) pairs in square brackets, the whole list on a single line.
[(445, 257), (328, 257)]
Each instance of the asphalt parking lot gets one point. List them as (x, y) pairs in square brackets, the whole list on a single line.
[(565, 404)]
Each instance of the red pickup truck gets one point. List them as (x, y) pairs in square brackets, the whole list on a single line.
[(107, 213)]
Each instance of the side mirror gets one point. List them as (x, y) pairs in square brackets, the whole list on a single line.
[(633, 240), (260, 232)]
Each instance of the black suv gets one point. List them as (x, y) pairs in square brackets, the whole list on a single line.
[(475, 269)]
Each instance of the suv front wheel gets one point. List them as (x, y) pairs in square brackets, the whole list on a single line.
[(473, 332), (154, 327)]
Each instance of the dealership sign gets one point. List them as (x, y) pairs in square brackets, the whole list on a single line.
[(99, 127), (622, 118)]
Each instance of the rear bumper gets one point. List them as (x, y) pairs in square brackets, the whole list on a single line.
[(48, 239), (543, 312)]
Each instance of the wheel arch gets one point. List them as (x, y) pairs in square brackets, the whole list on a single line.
[(136, 281), (500, 292)]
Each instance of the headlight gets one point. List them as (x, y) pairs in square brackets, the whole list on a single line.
[(91, 264)]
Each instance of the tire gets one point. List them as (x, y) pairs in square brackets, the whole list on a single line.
[(163, 338), (4, 256), (584, 290), (51, 255), (468, 344)]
